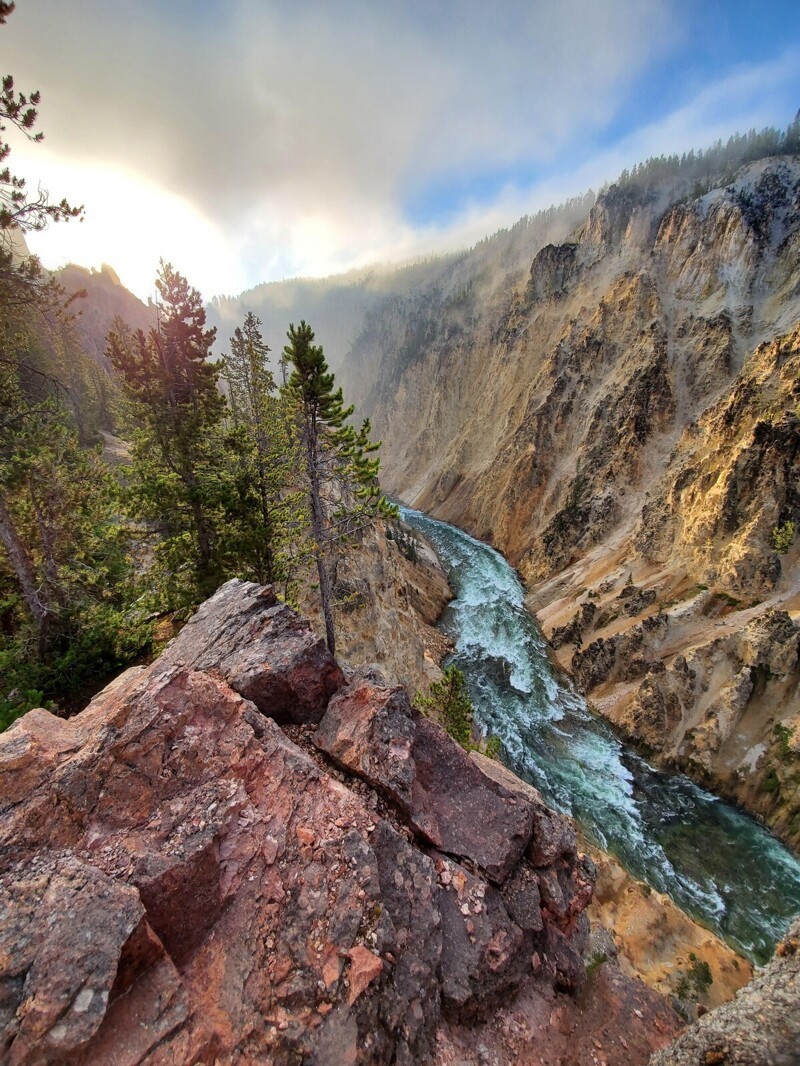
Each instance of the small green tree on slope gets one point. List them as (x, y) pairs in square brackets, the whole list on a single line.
[(340, 467), (449, 701), (450, 704), (264, 512)]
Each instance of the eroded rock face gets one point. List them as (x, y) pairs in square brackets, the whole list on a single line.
[(760, 1027), (527, 850), (182, 882), (628, 402), (712, 694), (211, 839)]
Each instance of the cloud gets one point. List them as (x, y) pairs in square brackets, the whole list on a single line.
[(254, 139), (298, 128)]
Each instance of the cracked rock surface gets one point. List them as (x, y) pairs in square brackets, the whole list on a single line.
[(181, 882)]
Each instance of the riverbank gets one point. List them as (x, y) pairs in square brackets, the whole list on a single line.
[(700, 681), (715, 862)]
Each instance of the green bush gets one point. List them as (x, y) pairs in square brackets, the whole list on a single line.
[(783, 735), (90, 652), (18, 702), (595, 962), (782, 537), (696, 981), (492, 747), (449, 703), (771, 782)]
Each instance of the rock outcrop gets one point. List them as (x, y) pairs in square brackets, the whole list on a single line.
[(760, 1027), (180, 881), (372, 730), (390, 591), (262, 648)]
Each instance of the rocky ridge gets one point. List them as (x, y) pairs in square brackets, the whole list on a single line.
[(182, 881), (390, 590), (760, 1027)]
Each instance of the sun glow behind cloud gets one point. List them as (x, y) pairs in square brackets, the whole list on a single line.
[(259, 139), (130, 222)]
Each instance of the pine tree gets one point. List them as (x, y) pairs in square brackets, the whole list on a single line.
[(450, 703), (23, 287), (176, 417), (66, 576), (263, 511), (340, 465), (23, 282)]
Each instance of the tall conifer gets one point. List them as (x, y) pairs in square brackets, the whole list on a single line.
[(177, 411), (263, 511), (340, 466)]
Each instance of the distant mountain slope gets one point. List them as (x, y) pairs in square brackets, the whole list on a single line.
[(339, 307), (106, 297)]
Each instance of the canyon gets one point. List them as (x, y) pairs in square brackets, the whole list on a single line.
[(621, 421), (611, 398)]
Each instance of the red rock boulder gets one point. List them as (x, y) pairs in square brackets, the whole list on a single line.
[(262, 648), (372, 730)]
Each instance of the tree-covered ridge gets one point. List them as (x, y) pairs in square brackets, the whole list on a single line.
[(207, 480), (448, 299), (253, 481), (716, 164)]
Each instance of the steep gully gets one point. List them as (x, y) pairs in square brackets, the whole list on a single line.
[(716, 862)]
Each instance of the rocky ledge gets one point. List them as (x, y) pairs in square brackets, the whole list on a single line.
[(182, 882)]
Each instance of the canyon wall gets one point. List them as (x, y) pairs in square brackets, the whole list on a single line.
[(622, 422)]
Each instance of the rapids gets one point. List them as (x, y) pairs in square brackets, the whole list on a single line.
[(717, 863)]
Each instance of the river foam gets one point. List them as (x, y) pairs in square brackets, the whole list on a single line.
[(715, 861)]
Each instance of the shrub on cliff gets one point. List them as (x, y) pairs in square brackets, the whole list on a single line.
[(450, 704), (782, 537)]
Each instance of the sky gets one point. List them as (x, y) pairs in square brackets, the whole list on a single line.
[(253, 140)]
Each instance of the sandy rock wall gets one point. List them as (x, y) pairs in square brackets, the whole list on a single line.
[(629, 412), (391, 590)]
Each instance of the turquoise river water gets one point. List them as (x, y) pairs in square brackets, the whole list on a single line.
[(715, 861)]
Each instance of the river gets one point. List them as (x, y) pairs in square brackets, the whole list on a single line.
[(717, 863)]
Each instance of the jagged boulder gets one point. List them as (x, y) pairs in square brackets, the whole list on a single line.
[(262, 648), (372, 730), (182, 821), (551, 271), (485, 952), (179, 881), (553, 837)]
